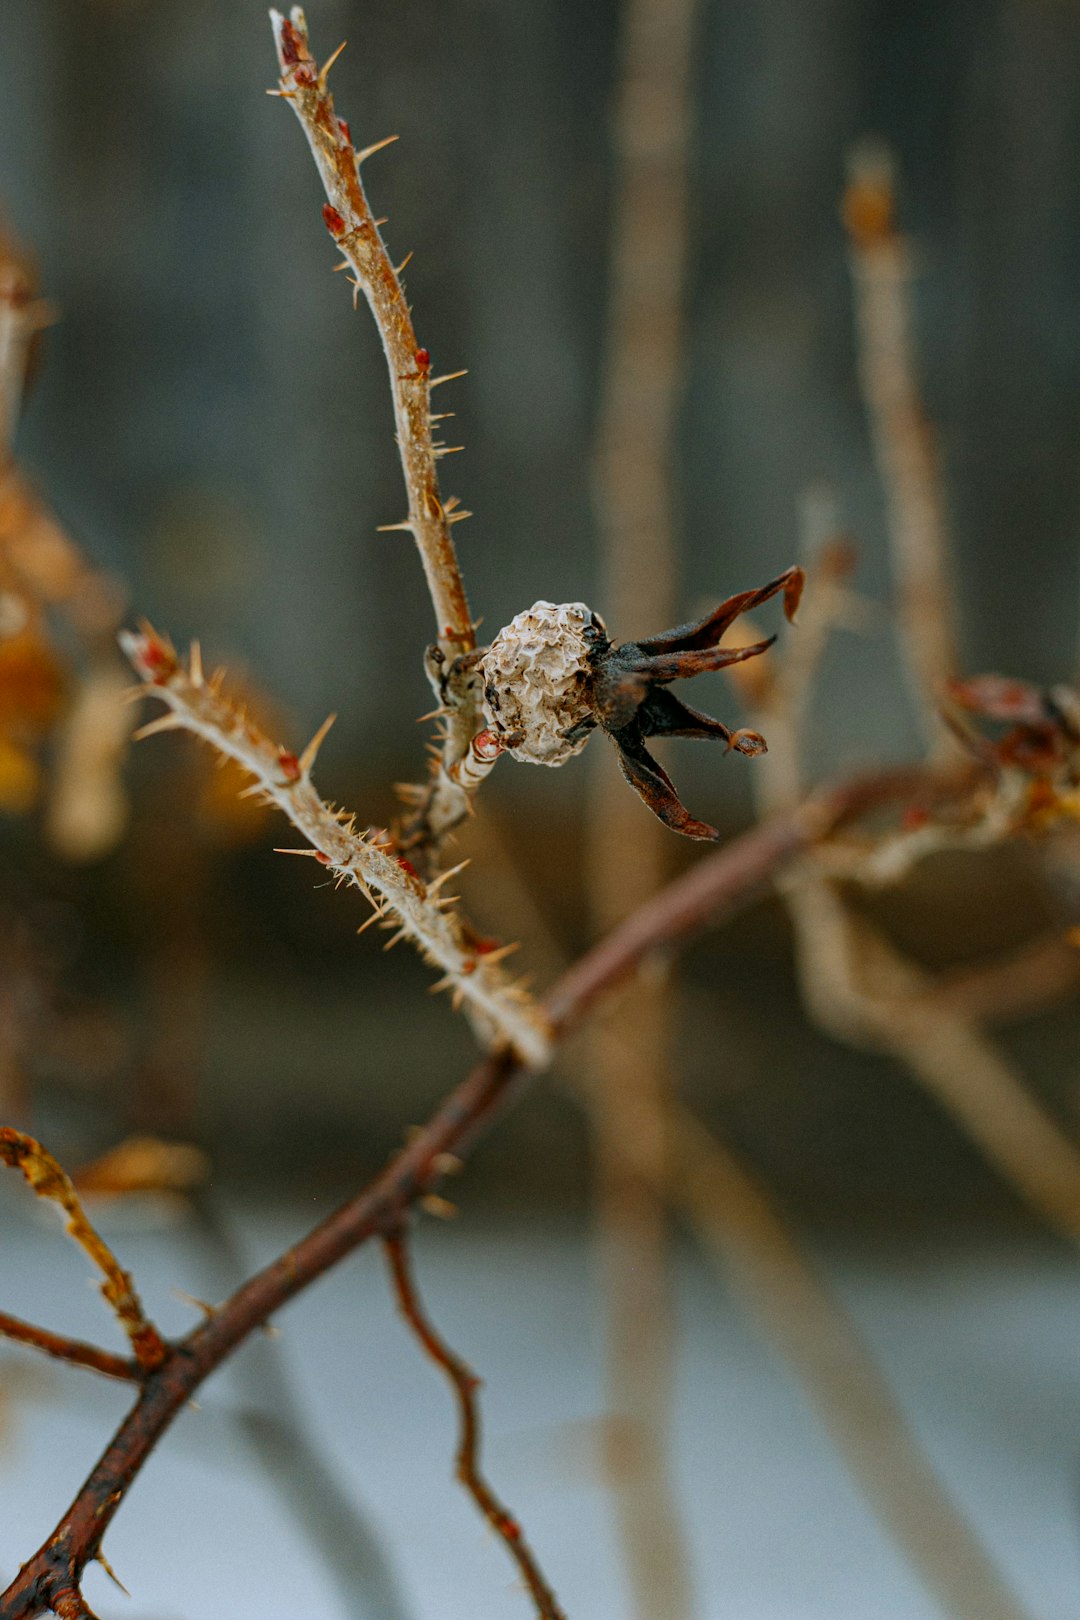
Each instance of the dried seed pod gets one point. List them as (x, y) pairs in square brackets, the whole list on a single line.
[(552, 676), (536, 676)]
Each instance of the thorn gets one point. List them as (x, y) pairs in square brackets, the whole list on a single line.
[(369, 151), (441, 984), (448, 1164), (107, 1567), (448, 450), (444, 877), (489, 958), (450, 376), (325, 74), (164, 722), (433, 714), (286, 95), (376, 916), (400, 267), (313, 854), (344, 265), (458, 517), (199, 1304), (457, 999), (441, 1208), (355, 285), (392, 941), (253, 791), (195, 671), (444, 416), (391, 528), (307, 758)]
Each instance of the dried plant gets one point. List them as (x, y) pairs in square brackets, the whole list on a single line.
[(546, 681)]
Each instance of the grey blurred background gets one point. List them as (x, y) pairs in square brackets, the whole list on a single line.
[(211, 421)]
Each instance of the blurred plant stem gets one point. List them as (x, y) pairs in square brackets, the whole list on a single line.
[(631, 1075)]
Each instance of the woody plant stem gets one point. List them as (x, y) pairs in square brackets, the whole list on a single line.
[(711, 892), (349, 219)]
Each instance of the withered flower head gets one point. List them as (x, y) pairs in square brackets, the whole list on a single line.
[(1043, 736), (553, 675)]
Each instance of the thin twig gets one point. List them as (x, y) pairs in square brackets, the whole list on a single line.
[(628, 854), (412, 908), (62, 1348), (349, 219), (904, 444), (49, 1180), (465, 1384)]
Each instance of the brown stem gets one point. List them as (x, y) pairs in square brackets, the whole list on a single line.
[(465, 1384), (349, 219), (49, 1180), (65, 1349), (714, 889)]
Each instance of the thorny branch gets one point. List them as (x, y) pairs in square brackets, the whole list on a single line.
[(715, 889), (349, 219), (49, 1180), (417, 910), (629, 1058), (465, 1384)]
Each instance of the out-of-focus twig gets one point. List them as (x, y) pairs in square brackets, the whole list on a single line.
[(415, 909), (628, 854), (49, 1180), (903, 438), (774, 1278), (465, 1384), (22, 316), (776, 1282), (864, 991), (430, 518)]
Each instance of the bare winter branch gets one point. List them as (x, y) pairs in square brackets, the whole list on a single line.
[(414, 909)]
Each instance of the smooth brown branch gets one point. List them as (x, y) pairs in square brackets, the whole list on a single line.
[(465, 1384), (62, 1348), (355, 231), (501, 1009), (49, 1180)]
